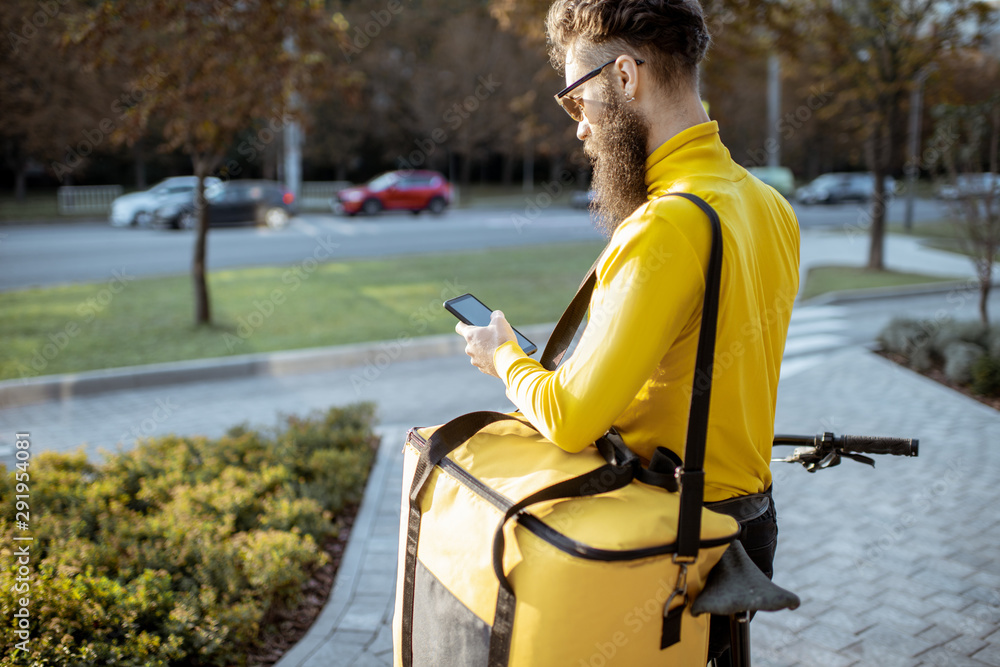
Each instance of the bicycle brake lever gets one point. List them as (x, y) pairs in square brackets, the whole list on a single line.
[(859, 458)]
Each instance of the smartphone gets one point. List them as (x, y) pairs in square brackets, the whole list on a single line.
[(471, 310)]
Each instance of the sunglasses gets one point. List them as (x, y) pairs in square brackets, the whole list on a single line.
[(574, 105)]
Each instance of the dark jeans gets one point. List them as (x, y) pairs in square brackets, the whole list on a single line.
[(759, 537)]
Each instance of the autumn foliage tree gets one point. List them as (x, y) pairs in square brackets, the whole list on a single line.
[(871, 53), (971, 160), (220, 67), (38, 84)]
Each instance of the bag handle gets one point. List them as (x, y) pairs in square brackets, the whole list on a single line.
[(692, 476)]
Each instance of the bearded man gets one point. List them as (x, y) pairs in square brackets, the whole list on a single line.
[(632, 69)]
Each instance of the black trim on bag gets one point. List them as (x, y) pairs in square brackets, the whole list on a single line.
[(545, 532)]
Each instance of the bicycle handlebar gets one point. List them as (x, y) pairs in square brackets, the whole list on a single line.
[(826, 450), (858, 444)]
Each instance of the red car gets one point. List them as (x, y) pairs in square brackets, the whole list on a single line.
[(411, 190)]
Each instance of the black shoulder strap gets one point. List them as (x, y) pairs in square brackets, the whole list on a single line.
[(692, 478)]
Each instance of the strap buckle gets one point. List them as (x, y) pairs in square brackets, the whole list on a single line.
[(671, 630)]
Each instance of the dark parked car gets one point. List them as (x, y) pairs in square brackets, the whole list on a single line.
[(411, 190), (234, 203)]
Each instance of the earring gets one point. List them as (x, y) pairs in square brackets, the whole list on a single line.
[(631, 99)]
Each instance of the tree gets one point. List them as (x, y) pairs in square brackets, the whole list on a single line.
[(873, 52), (974, 132), (38, 84), (211, 69)]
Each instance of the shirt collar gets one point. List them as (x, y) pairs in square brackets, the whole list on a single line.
[(698, 149)]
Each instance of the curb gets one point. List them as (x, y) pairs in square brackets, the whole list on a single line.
[(309, 649), (14, 393), (874, 293)]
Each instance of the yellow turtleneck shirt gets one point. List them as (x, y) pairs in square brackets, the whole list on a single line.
[(634, 364)]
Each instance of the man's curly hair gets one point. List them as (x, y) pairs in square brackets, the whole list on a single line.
[(670, 35)]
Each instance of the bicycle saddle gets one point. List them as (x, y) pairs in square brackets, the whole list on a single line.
[(735, 585)]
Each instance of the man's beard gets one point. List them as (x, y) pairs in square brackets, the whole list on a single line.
[(617, 149)]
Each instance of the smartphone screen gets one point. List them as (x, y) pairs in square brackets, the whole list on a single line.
[(471, 310)]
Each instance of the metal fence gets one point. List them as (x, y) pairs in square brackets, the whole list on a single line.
[(316, 195), (74, 199)]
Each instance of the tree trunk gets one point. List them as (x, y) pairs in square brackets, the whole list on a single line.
[(21, 181), (985, 284), (528, 180), (880, 159), (466, 171), (508, 169), (140, 165), (202, 311), (876, 249)]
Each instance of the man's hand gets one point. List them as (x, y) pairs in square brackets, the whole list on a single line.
[(482, 342)]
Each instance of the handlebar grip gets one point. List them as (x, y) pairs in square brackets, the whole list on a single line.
[(862, 444)]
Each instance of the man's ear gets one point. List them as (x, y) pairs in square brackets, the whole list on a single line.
[(628, 74)]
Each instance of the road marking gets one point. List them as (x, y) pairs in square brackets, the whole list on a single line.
[(815, 327), (801, 345), (795, 366), (817, 312)]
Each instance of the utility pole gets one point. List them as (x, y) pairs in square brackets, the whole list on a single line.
[(913, 164), (293, 139)]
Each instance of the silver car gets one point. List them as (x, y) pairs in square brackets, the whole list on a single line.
[(837, 187), (137, 208)]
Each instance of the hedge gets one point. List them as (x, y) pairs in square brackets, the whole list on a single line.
[(179, 551)]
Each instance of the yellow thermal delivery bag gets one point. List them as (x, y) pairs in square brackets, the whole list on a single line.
[(515, 552)]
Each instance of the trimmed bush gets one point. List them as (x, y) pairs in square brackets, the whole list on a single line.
[(993, 342), (950, 331), (959, 357), (181, 550), (911, 338), (986, 376)]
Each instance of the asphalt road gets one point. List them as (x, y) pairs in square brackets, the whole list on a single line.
[(53, 254)]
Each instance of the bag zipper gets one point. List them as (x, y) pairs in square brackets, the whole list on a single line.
[(545, 532)]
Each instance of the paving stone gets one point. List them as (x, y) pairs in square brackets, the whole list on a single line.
[(956, 602), (367, 659), (898, 643), (815, 655), (989, 654), (941, 657), (943, 582), (383, 640), (379, 562), (876, 655), (341, 650), (899, 603), (829, 636), (986, 579), (965, 622), (850, 622), (965, 645), (890, 618), (363, 618), (938, 635)]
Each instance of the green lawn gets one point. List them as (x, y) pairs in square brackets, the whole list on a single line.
[(105, 325), (823, 279)]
